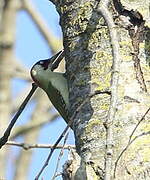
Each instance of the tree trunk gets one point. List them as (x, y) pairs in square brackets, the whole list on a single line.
[(112, 137)]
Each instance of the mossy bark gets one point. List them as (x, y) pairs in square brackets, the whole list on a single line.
[(89, 68)]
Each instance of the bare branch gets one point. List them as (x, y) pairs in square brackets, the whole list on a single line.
[(41, 114), (131, 140), (27, 146), (19, 98), (138, 136), (114, 86), (60, 156), (4, 139), (138, 125)]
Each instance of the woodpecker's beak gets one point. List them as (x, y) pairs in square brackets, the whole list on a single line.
[(55, 60), (51, 63)]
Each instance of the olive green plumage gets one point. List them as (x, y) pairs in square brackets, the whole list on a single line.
[(54, 84)]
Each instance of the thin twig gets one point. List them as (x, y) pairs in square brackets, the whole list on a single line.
[(138, 136), (131, 140), (66, 129), (27, 146), (60, 156), (114, 86), (138, 124), (51, 152), (4, 138)]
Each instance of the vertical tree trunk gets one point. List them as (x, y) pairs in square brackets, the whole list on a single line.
[(90, 67)]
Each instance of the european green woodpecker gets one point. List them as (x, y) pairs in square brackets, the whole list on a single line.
[(54, 84)]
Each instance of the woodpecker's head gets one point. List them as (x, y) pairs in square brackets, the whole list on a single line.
[(38, 69), (41, 70)]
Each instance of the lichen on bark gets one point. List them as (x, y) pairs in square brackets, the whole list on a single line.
[(89, 64), (86, 39)]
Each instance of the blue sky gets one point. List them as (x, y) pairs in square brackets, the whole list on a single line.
[(30, 47)]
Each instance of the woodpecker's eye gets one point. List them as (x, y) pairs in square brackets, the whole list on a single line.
[(41, 62), (44, 64)]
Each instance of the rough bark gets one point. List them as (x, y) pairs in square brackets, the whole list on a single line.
[(89, 68)]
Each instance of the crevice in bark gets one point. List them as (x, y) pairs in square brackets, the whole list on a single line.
[(147, 44), (134, 16), (97, 169), (136, 32), (136, 39)]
